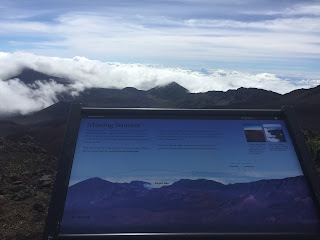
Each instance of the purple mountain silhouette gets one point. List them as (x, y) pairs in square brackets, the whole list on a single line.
[(100, 206)]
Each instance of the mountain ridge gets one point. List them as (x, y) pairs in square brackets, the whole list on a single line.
[(117, 204), (28, 75), (51, 121), (173, 95)]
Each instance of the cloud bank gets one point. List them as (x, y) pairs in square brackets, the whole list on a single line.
[(18, 97)]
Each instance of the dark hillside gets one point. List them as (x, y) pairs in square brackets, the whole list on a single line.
[(29, 76)]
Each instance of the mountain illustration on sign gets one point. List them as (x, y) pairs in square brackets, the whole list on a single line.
[(99, 206)]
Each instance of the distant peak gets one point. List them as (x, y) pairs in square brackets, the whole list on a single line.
[(130, 89), (29, 76), (173, 85), (170, 91), (94, 181)]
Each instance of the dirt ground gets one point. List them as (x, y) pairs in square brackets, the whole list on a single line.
[(26, 179)]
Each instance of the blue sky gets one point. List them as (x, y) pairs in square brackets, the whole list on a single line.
[(202, 45), (273, 36)]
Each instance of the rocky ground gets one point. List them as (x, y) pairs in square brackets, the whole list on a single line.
[(26, 179), (27, 173)]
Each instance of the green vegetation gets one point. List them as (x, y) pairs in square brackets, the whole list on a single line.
[(12, 168), (313, 141), (30, 163)]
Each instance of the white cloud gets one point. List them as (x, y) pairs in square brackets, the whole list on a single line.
[(15, 96), (109, 36), (196, 39), (301, 9), (285, 25), (7, 27), (306, 9)]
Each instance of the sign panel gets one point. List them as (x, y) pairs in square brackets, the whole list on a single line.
[(186, 176)]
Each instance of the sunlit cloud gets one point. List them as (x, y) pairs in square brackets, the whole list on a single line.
[(16, 97)]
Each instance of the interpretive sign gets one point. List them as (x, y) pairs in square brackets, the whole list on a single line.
[(173, 173)]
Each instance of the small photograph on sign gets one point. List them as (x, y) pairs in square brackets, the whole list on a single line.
[(274, 133), (254, 133)]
